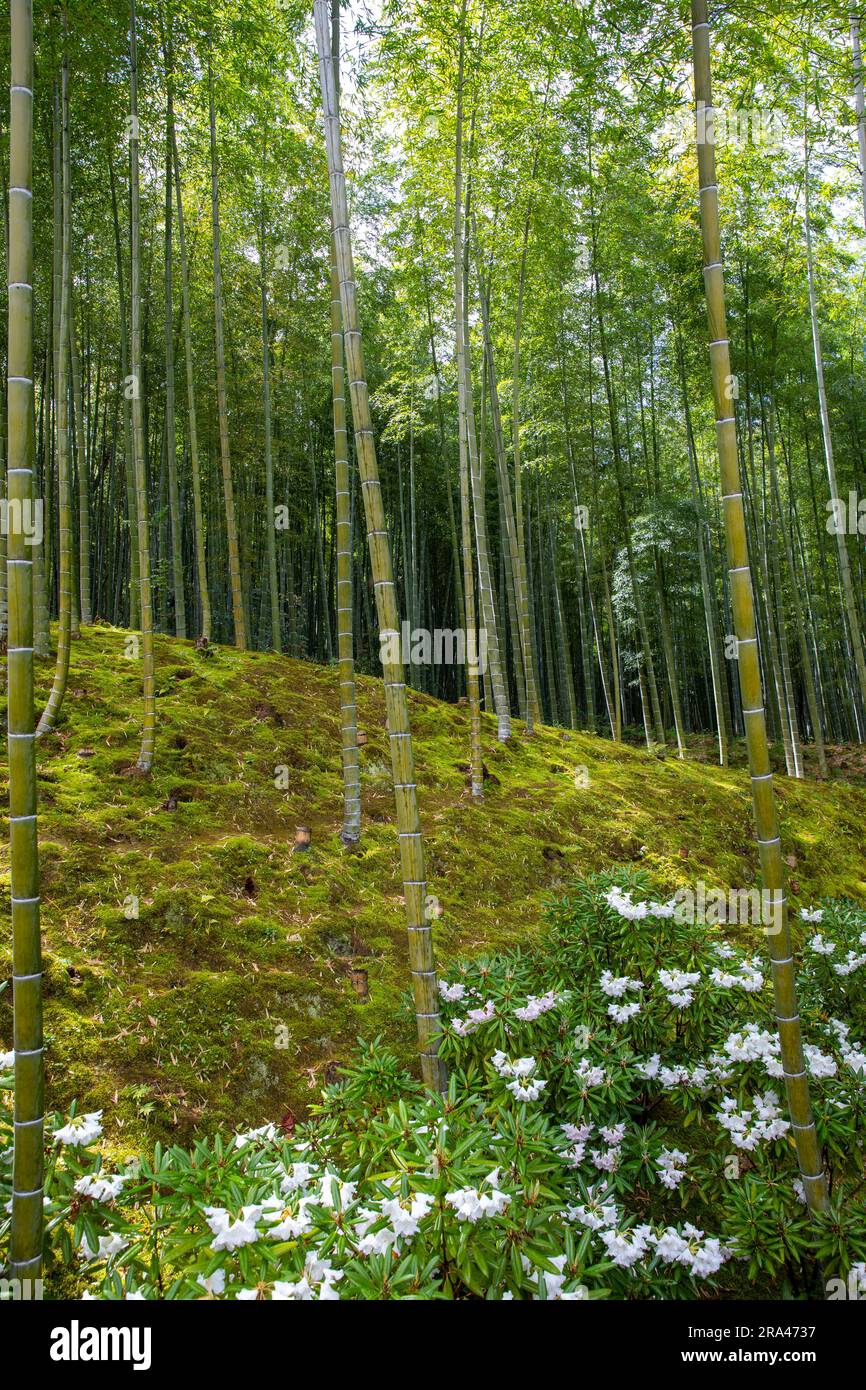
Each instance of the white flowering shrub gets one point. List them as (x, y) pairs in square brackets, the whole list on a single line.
[(615, 1125)]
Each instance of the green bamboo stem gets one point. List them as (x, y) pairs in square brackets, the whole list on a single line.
[(270, 530), (421, 958), (222, 405), (170, 430), (148, 736), (198, 512), (57, 693), (763, 797), (27, 1164), (83, 482), (351, 831), (472, 683), (486, 595)]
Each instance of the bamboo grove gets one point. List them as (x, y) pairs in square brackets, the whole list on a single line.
[(523, 444), (566, 506)]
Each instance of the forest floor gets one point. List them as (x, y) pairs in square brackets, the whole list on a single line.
[(251, 966)]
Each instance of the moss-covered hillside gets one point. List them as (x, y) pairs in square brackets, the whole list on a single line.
[(251, 967)]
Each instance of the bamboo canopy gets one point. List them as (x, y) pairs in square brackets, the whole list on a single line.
[(742, 602)]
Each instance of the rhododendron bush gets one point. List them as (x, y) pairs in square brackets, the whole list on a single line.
[(615, 1126)]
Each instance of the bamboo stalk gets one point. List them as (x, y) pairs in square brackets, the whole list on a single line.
[(148, 737), (222, 406), (351, 831), (763, 797), (27, 1167), (170, 431), (472, 683), (57, 693), (421, 958), (198, 515)]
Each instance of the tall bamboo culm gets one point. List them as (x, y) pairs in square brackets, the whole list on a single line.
[(148, 735), (198, 512), (56, 696), (351, 831), (421, 959), (763, 797), (476, 765), (222, 404), (27, 1169)]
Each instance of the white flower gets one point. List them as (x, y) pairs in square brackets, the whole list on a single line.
[(108, 1247), (818, 944), (230, 1233), (536, 1005), (678, 985), (851, 963), (649, 1069), (811, 914), (81, 1130), (621, 902), (286, 1224), (616, 986), (471, 1205), (530, 1091), (701, 1255), (266, 1132), (748, 1128), (504, 1066), (749, 977), (450, 993), (577, 1134), (612, 1134), (590, 1075), (473, 1019), (101, 1189), (625, 1248), (607, 1160), (405, 1220), (621, 1013), (663, 909), (331, 1185), (214, 1283), (600, 1210), (818, 1062), (300, 1176), (7, 1061), (671, 1164)]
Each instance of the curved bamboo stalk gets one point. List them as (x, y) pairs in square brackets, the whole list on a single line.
[(27, 1169), (421, 959), (148, 736), (763, 797)]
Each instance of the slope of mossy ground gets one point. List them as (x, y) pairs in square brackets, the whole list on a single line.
[(234, 992)]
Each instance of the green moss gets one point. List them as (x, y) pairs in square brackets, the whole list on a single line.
[(199, 969)]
